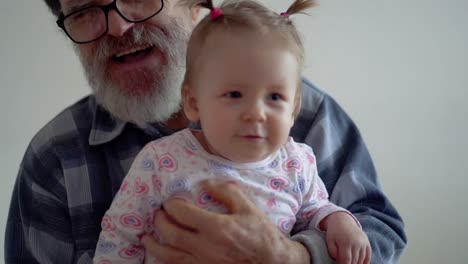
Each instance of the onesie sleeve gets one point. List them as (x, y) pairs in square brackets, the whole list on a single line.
[(131, 214), (315, 203)]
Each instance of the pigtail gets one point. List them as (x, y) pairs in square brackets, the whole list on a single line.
[(207, 4), (299, 6), (215, 12)]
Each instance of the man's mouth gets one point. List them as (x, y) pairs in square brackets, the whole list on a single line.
[(132, 55)]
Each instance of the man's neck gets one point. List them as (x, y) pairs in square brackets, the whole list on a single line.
[(178, 121)]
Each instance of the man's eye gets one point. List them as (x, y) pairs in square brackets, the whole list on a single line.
[(233, 94), (78, 17), (83, 18)]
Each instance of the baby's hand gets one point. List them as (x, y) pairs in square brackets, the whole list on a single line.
[(347, 243)]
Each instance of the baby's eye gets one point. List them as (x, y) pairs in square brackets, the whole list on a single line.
[(233, 94), (276, 96)]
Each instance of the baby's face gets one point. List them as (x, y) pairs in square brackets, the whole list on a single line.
[(245, 95)]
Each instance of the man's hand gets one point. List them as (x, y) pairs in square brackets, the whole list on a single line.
[(244, 235)]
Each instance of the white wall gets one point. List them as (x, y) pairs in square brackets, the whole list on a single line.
[(398, 67)]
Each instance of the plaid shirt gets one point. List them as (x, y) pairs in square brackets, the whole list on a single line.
[(74, 166)]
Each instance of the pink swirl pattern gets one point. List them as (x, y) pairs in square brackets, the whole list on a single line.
[(124, 186), (278, 183), (299, 188), (132, 251), (285, 225), (153, 202), (311, 158), (190, 145), (204, 199), (132, 221), (177, 186), (273, 164), (295, 208), (157, 183), (292, 164), (107, 224), (271, 202), (218, 166), (188, 152), (168, 163), (147, 164), (105, 246), (322, 195), (141, 188)]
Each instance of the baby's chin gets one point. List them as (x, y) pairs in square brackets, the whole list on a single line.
[(245, 158)]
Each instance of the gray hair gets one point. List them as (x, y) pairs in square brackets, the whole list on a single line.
[(54, 6)]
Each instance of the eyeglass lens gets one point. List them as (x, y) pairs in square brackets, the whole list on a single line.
[(91, 23)]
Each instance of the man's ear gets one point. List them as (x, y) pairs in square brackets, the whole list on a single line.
[(195, 12), (190, 103)]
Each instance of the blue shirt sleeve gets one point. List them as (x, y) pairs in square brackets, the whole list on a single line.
[(38, 226), (346, 168)]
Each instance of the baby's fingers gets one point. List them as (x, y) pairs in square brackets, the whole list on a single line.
[(332, 249), (345, 255), (358, 254), (361, 255)]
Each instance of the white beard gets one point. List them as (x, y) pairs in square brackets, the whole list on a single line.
[(163, 99)]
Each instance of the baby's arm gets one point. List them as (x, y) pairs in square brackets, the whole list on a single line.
[(346, 241), (131, 213)]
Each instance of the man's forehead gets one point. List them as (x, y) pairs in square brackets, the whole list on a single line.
[(68, 5)]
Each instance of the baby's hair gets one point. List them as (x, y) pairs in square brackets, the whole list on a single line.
[(251, 15), (299, 6)]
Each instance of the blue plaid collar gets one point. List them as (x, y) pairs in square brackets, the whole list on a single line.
[(105, 127)]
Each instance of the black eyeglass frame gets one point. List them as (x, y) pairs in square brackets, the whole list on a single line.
[(105, 9)]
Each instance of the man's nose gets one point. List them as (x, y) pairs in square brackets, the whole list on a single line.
[(117, 24), (255, 112)]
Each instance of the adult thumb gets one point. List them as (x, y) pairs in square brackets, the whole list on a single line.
[(229, 195)]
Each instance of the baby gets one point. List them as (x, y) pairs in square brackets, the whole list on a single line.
[(242, 86)]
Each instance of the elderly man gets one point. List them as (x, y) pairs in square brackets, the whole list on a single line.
[(133, 56)]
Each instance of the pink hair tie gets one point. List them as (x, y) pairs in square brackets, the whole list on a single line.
[(215, 13), (285, 14)]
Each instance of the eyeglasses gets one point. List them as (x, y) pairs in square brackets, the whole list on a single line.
[(90, 23)]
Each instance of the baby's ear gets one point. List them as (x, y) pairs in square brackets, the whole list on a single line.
[(190, 103)]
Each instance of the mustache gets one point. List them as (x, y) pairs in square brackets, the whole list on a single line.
[(164, 99), (138, 35)]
